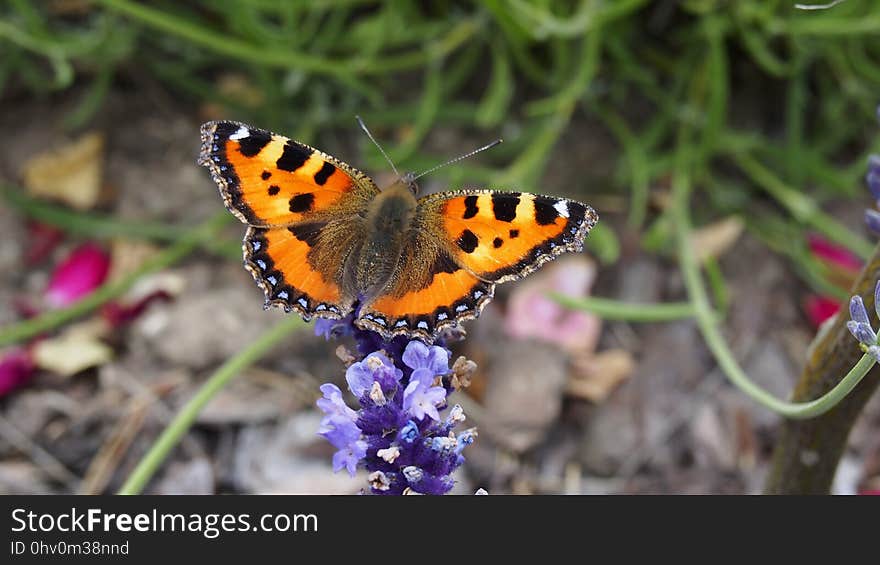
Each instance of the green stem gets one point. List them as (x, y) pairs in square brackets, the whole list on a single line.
[(289, 58), (178, 427), (803, 208), (715, 341), (95, 225), (164, 259), (628, 311)]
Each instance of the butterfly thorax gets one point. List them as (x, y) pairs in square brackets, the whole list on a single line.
[(388, 221)]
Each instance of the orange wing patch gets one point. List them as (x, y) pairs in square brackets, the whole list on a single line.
[(502, 236), (268, 180), (278, 260), (449, 298)]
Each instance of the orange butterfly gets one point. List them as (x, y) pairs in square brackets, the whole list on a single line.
[(322, 239)]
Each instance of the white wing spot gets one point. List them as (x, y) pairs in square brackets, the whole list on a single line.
[(242, 133), (283, 295), (256, 245), (562, 208)]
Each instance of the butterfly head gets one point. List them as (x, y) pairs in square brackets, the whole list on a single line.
[(409, 179)]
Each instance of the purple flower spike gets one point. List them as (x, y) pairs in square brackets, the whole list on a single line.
[(877, 298), (872, 220), (402, 432)]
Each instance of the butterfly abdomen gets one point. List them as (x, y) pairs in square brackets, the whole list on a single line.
[(389, 217)]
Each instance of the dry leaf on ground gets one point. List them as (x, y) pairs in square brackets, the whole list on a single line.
[(72, 174)]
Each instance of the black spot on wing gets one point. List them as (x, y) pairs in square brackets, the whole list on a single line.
[(293, 157), (470, 207), (514, 234), (308, 233), (266, 175), (576, 213), (273, 190), (443, 264), (545, 213), (302, 203), (497, 242), (251, 145), (467, 241), (504, 206), (326, 170)]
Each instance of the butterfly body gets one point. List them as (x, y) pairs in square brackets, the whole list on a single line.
[(325, 241), (388, 222)]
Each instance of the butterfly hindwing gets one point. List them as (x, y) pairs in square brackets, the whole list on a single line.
[(268, 180), (504, 236), (429, 290), (293, 266)]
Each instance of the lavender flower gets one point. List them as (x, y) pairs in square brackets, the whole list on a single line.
[(872, 220), (402, 432), (872, 179), (860, 324)]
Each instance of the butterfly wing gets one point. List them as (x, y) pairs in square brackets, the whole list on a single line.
[(303, 208), (268, 180), (504, 236), (462, 244)]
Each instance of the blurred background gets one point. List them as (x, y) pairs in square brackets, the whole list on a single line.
[(113, 311)]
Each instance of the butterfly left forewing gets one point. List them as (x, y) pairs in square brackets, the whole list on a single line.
[(503, 236), (268, 180)]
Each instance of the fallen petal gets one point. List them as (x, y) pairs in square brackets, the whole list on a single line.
[(80, 273), (16, 368)]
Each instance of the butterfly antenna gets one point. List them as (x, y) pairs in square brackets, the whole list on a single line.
[(459, 158), (376, 143)]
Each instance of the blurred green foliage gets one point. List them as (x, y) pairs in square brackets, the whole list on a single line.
[(779, 103)]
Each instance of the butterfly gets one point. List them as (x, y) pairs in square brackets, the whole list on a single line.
[(323, 240)]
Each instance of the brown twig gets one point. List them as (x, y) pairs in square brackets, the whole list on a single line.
[(808, 451)]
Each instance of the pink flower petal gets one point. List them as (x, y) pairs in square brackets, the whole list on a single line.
[(833, 253), (532, 314), (820, 308), (79, 274), (16, 368)]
